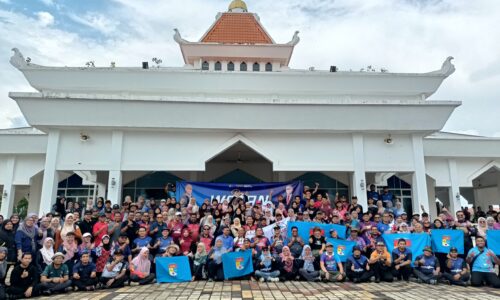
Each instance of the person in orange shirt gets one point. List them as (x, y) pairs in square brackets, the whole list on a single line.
[(380, 263)]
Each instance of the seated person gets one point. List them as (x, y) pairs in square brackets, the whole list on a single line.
[(482, 261), (215, 271), (140, 268), (309, 270), (286, 264), (44, 255), (55, 277), (25, 277), (456, 270), (401, 261), (357, 267), (380, 263), (199, 262), (331, 268), (3, 271), (267, 268), (84, 273), (114, 274), (317, 242), (427, 267)]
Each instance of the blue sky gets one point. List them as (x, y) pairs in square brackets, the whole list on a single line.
[(399, 35)]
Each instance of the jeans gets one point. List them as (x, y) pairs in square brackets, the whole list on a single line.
[(381, 272), (309, 275), (55, 287), (425, 277), (267, 275)]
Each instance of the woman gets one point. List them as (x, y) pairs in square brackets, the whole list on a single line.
[(482, 227), (380, 207), (46, 230), (266, 267), (103, 252), (140, 268), (68, 226), (340, 210), (26, 238), (287, 267), (199, 262), (496, 226), (438, 224), (44, 256), (55, 225), (69, 248), (215, 261), (8, 240), (235, 227), (209, 221), (239, 240), (490, 222), (16, 221), (192, 207), (186, 243), (403, 228), (309, 270)]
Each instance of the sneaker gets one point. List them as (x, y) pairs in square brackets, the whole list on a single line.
[(261, 279), (433, 281), (274, 279), (47, 293)]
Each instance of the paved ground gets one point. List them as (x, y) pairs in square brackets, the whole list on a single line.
[(287, 290)]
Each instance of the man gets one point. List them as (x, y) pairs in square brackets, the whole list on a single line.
[(385, 225), (386, 196), (227, 239), (194, 226), (114, 274), (100, 229), (24, 279), (482, 261), (467, 228), (401, 261), (277, 242), (331, 269), (123, 245), (143, 240), (427, 267), (354, 205), (372, 193), (357, 267), (87, 224), (84, 273), (130, 227), (157, 227), (114, 227), (456, 269), (55, 277), (380, 263), (295, 242)]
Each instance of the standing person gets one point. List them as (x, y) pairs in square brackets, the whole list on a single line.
[(380, 263), (114, 227), (199, 262), (309, 270), (482, 261), (26, 278), (295, 243), (140, 268), (100, 229), (8, 240), (130, 227), (456, 270), (68, 226), (427, 267), (84, 273), (55, 277), (317, 242), (114, 274), (401, 261), (331, 266), (357, 266), (26, 237), (215, 261), (277, 241)]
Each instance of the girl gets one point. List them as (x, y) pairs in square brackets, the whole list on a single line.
[(44, 256), (287, 265), (309, 270), (199, 261), (140, 268)]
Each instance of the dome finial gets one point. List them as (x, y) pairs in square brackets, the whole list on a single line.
[(237, 6)]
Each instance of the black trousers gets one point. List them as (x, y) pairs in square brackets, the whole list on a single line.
[(382, 272), (477, 279), (362, 276), (215, 271), (403, 272), (82, 284), (117, 283), (142, 281), (461, 281), (18, 292)]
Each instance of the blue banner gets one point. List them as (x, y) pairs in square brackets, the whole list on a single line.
[(493, 238), (443, 239), (237, 264), (342, 248), (260, 193), (416, 242), (306, 229), (173, 269)]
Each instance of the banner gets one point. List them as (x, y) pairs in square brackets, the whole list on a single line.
[(172, 269), (342, 248), (260, 193), (237, 264), (443, 239), (306, 229), (493, 238), (416, 242), (269, 230)]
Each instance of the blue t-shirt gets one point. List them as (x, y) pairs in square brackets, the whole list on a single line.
[(227, 241), (430, 264), (374, 195), (142, 242), (358, 263), (484, 262), (396, 253), (382, 227), (331, 262), (164, 243), (457, 265)]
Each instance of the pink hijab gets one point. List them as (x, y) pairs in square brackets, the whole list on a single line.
[(141, 264)]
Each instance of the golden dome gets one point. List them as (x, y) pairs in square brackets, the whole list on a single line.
[(237, 5)]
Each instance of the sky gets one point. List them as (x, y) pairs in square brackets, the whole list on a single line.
[(399, 35)]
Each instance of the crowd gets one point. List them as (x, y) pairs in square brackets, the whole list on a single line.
[(101, 245)]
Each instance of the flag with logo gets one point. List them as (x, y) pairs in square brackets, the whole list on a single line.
[(342, 248), (444, 239), (237, 264), (306, 229), (172, 269), (493, 238), (416, 242)]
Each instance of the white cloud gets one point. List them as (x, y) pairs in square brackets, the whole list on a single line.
[(96, 21), (45, 18), (48, 2)]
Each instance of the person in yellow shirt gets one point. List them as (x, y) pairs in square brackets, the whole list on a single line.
[(380, 263)]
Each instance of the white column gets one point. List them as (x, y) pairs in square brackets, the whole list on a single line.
[(9, 190), (50, 178), (454, 189), (419, 181), (35, 192), (115, 180), (101, 189), (359, 177)]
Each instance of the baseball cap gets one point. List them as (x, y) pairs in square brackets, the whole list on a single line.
[(86, 234), (453, 249), (380, 244), (178, 213), (116, 206), (57, 254), (428, 249), (329, 244)]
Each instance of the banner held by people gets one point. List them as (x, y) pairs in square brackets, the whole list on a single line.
[(416, 242), (306, 229), (493, 238), (173, 269), (237, 264), (443, 239), (342, 248)]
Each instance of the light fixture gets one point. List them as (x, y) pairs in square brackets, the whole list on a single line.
[(457, 196), (84, 137), (388, 140), (113, 182), (5, 194), (362, 184)]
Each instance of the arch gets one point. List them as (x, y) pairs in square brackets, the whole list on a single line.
[(205, 65), (256, 67), (237, 176), (480, 171), (150, 185), (269, 67), (218, 66), (230, 66), (243, 66)]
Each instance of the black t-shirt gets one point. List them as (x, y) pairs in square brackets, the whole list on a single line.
[(24, 283), (317, 244), (86, 226), (131, 230)]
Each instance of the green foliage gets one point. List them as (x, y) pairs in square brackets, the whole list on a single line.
[(22, 208)]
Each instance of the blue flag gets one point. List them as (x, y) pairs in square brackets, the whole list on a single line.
[(493, 238), (306, 229), (172, 269), (416, 242), (342, 248), (443, 239), (237, 264)]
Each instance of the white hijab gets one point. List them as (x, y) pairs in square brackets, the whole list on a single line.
[(47, 252)]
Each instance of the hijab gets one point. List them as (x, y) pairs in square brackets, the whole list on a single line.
[(481, 229), (67, 226), (200, 256), (218, 251), (47, 251), (141, 263), (3, 264), (29, 231), (70, 249), (287, 259)]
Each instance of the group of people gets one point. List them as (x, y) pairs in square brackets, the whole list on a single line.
[(101, 245)]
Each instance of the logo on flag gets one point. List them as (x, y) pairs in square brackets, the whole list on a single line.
[(172, 270), (341, 250), (445, 241), (239, 263)]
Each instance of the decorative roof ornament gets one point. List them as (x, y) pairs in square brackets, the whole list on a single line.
[(17, 60), (237, 6), (178, 38), (446, 69), (295, 39)]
